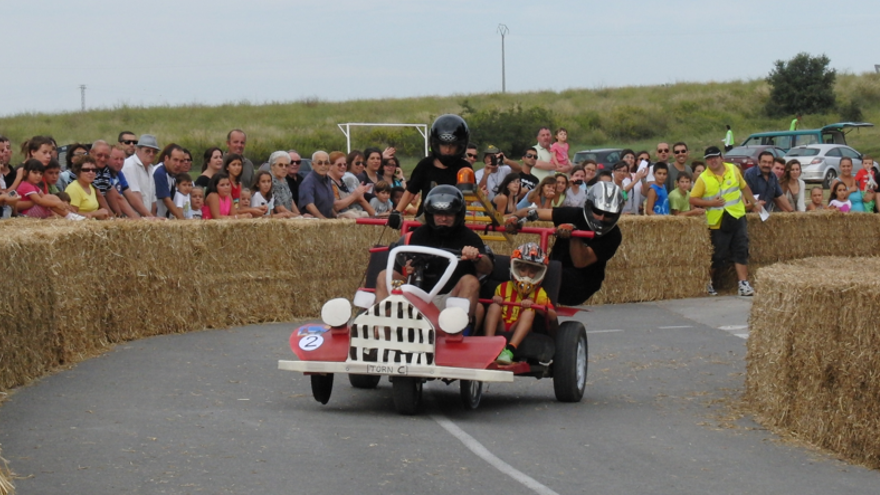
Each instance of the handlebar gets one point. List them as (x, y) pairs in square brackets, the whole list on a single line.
[(544, 232)]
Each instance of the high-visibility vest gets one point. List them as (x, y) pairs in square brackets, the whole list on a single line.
[(728, 188)]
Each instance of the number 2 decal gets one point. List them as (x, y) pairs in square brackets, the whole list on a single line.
[(311, 342)]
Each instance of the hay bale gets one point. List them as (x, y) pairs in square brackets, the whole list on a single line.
[(792, 236), (813, 353), (6, 486)]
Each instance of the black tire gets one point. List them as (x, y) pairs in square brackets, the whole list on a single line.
[(364, 381), (407, 393), (570, 362), (830, 175), (471, 393), (322, 387)]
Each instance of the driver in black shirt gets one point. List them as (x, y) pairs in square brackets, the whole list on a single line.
[(583, 260), (444, 228)]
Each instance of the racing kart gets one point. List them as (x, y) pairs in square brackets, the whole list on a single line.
[(410, 339)]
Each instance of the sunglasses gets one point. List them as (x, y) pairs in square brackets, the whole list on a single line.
[(321, 162), (665, 150), (89, 169), (130, 141), (296, 162), (531, 156), (680, 152), (358, 163), (81, 153), (472, 155)]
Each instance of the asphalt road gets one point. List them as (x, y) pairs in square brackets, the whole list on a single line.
[(210, 412)]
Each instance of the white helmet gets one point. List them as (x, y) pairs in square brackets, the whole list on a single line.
[(604, 199), (527, 258)]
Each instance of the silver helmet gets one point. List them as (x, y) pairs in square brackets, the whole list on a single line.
[(604, 200)]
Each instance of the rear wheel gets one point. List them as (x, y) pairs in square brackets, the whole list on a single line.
[(471, 394), (322, 386), (830, 175), (407, 393), (364, 381), (570, 362)]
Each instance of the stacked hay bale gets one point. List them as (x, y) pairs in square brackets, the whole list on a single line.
[(661, 257), (813, 353), (792, 236)]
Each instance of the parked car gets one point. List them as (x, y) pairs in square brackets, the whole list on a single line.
[(604, 157), (821, 162), (747, 156), (829, 134)]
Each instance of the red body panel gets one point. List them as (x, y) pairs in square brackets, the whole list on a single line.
[(333, 349), (471, 352)]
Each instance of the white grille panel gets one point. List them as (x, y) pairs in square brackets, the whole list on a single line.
[(392, 331)]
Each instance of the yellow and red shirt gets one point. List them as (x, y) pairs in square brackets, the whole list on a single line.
[(507, 291)]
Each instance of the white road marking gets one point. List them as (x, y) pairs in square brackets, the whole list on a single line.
[(675, 326), (733, 327), (742, 335), (482, 452), (605, 331)]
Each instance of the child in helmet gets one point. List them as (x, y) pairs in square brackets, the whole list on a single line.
[(528, 265)]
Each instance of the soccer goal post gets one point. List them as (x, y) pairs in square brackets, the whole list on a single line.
[(346, 129)]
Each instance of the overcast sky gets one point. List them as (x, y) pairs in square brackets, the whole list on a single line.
[(210, 52)]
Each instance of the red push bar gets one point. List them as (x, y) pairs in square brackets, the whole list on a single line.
[(544, 232)]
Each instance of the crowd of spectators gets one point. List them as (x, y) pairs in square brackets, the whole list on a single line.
[(136, 178)]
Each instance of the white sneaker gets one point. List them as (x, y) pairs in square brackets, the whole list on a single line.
[(74, 216), (711, 289), (745, 289)]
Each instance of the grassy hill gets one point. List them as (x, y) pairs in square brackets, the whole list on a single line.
[(634, 117)]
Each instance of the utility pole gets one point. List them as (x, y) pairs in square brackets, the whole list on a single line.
[(82, 96), (502, 30)]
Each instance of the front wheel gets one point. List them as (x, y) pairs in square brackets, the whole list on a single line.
[(570, 362), (471, 394), (322, 386), (830, 175), (407, 393)]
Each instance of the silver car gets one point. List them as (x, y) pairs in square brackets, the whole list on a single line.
[(821, 162)]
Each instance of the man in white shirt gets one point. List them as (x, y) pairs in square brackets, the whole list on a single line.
[(543, 166), (138, 170), (236, 141)]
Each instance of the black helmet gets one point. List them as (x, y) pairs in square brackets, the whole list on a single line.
[(605, 199), (449, 129), (444, 200)]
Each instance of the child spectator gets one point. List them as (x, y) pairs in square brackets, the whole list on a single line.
[(816, 199), (839, 199), (32, 189), (381, 203), (182, 198), (245, 206), (559, 151), (219, 203), (528, 265), (197, 198), (679, 199), (866, 182), (658, 199), (605, 176), (263, 196)]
